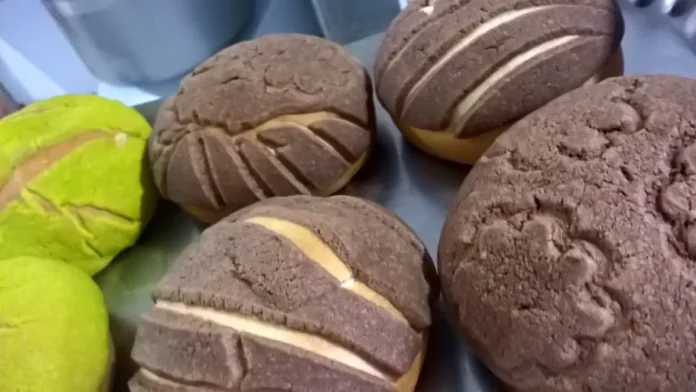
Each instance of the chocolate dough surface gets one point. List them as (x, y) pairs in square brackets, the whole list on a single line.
[(249, 270), (568, 257), (279, 115), (437, 53)]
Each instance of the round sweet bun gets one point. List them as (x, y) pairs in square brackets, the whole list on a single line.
[(276, 116), (75, 185), (568, 258), (295, 293), (454, 75), (54, 328)]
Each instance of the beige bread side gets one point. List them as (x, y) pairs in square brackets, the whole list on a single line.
[(282, 293)]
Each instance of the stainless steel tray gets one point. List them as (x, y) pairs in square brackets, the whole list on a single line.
[(416, 186)]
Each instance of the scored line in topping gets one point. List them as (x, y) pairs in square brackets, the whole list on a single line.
[(301, 185), (345, 178), (301, 123), (207, 169), (153, 377), (33, 165), (264, 164), (303, 120), (246, 166), (245, 173), (281, 334), (407, 40), (466, 108), (315, 249), (453, 8), (473, 36), (326, 144)]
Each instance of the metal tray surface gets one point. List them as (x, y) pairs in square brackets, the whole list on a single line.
[(416, 186)]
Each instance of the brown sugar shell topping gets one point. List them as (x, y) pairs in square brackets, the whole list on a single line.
[(472, 66), (301, 292), (279, 115), (568, 258)]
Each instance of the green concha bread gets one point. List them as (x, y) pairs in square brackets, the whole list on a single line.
[(74, 182), (54, 331)]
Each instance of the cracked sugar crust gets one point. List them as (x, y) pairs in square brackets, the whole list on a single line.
[(183, 353), (280, 115), (497, 54), (243, 269), (379, 248), (568, 257)]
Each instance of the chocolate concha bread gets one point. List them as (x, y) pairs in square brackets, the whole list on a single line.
[(455, 74), (569, 257), (279, 115), (299, 293)]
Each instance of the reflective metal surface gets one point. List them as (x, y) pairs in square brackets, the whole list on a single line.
[(418, 187), (147, 41), (349, 21), (679, 14)]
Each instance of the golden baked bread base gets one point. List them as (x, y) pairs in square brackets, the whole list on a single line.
[(318, 251), (304, 120), (408, 382), (444, 144)]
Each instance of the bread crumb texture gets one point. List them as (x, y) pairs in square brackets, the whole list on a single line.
[(74, 180), (294, 293), (568, 258)]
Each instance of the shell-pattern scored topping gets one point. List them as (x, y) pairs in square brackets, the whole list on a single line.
[(277, 116), (502, 60), (318, 294)]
